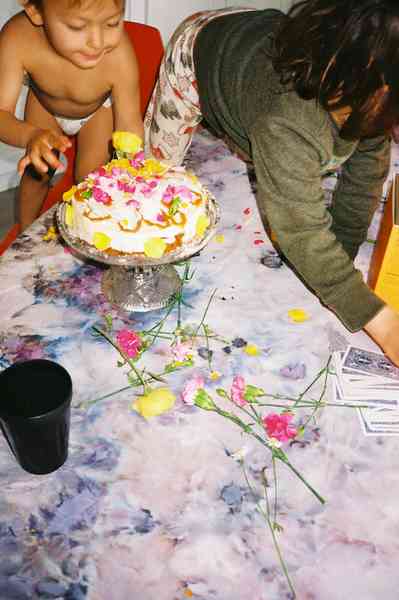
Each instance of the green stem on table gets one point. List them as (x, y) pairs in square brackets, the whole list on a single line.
[(277, 452), (275, 488), (128, 360), (319, 374), (205, 312), (266, 516), (209, 359)]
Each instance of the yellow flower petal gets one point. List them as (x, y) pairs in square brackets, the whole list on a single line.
[(214, 375), (154, 247), (219, 238), (251, 350), (51, 234), (202, 225), (69, 194), (69, 215), (101, 241), (125, 141), (155, 402), (298, 315)]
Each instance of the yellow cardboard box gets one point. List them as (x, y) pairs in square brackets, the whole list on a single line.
[(383, 276)]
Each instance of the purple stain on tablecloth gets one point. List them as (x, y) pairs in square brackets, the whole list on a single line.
[(294, 371)]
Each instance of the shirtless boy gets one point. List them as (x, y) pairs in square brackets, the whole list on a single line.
[(83, 79)]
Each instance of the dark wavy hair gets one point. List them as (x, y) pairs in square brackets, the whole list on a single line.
[(344, 53)]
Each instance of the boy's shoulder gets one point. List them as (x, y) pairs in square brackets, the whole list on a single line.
[(19, 37), (18, 25)]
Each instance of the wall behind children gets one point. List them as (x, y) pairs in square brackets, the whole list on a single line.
[(163, 14), (167, 15)]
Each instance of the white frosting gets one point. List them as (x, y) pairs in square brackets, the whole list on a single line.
[(131, 207)]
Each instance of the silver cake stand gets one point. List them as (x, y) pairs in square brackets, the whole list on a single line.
[(135, 282)]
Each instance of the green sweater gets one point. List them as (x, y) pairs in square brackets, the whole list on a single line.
[(293, 143)]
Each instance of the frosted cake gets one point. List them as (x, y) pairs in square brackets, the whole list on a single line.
[(138, 206)]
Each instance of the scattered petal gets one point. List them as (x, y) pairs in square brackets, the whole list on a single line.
[(298, 315), (247, 211), (238, 227), (219, 238), (214, 375), (251, 350), (155, 402), (239, 342), (258, 242)]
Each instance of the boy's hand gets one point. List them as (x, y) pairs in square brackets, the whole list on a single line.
[(39, 151), (384, 329)]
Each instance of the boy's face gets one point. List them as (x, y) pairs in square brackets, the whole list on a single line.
[(82, 32)]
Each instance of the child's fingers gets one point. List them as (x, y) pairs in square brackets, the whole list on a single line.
[(59, 142), (22, 164), (51, 159)]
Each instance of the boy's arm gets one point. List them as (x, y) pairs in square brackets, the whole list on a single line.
[(126, 89), (38, 142), (12, 130)]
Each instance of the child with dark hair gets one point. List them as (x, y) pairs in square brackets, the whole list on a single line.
[(83, 80), (299, 95)]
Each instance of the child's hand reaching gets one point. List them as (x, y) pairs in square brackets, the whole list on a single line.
[(39, 151), (384, 329)]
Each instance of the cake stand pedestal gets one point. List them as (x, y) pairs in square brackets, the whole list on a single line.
[(135, 282)]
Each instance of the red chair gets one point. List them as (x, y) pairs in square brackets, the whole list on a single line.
[(147, 43)]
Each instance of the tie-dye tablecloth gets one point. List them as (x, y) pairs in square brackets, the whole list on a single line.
[(159, 509)]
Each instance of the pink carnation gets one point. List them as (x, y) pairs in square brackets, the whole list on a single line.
[(237, 390), (129, 342), (191, 388), (278, 426)]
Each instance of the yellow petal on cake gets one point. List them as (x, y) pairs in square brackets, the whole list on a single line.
[(152, 167), (69, 211), (101, 241), (69, 194), (125, 141), (155, 402), (154, 247), (298, 315), (202, 225)]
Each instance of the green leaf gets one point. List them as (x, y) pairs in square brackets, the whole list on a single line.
[(222, 393), (203, 400), (252, 392)]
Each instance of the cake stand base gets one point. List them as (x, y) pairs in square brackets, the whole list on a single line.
[(141, 289)]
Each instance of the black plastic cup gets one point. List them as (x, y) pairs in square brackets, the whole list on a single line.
[(35, 406)]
